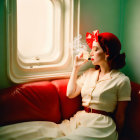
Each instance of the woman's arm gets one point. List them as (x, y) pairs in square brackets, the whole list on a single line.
[(73, 89), (120, 115)]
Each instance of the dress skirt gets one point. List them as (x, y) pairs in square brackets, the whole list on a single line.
[(82, 126)]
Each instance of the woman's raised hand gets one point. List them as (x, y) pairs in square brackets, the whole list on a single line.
[(79, 61)]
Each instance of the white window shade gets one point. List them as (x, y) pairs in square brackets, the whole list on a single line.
[(39, 36), (35, 33)]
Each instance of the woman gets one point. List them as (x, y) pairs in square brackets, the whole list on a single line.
[(104, 89)]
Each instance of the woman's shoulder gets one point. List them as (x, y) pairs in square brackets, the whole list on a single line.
[(120, 74), (122, 77)]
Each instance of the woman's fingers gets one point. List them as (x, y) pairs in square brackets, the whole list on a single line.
[(82, 63), (79, 60)]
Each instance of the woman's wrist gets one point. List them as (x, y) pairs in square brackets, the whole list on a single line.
[(76, 68)]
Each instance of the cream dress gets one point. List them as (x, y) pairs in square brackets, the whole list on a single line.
[(100, 95)]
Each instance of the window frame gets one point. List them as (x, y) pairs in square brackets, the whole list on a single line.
[(18, 72)]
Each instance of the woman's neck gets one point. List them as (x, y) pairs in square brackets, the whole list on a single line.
[(104, 69), (102, 73)]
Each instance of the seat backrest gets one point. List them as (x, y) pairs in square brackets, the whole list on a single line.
[(30, 102), (68, 106), (132, 121)]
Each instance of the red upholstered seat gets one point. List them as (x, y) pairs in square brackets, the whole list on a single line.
[(131, 129), (29, 102), (68, 106), (47, 101), (37, 101)]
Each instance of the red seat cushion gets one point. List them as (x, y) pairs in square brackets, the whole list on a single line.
[(68, 106), (29, 102)]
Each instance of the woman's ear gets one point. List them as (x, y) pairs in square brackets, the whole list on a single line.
[(106, 56)]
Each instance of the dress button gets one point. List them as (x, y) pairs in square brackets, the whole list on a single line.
[(89, 95), (93, 89)]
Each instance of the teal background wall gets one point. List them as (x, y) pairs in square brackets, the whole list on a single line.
[(4, 81), (120, 17)]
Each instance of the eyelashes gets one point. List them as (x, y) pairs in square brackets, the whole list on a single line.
[(94, 50)]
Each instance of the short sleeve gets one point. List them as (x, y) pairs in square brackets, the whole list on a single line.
[(124, 90), (81, 79)]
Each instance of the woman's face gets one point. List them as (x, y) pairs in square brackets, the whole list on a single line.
[(97, 54)]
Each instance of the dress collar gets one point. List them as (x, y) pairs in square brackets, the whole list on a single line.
[(107, 76)]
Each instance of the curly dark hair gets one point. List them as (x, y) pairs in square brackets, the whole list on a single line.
[(111, 45)]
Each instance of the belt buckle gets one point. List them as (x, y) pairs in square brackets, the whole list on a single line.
[(91, 110)]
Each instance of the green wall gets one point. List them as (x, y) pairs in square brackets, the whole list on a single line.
[(131, 38), (120, 17), (4, 81)]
